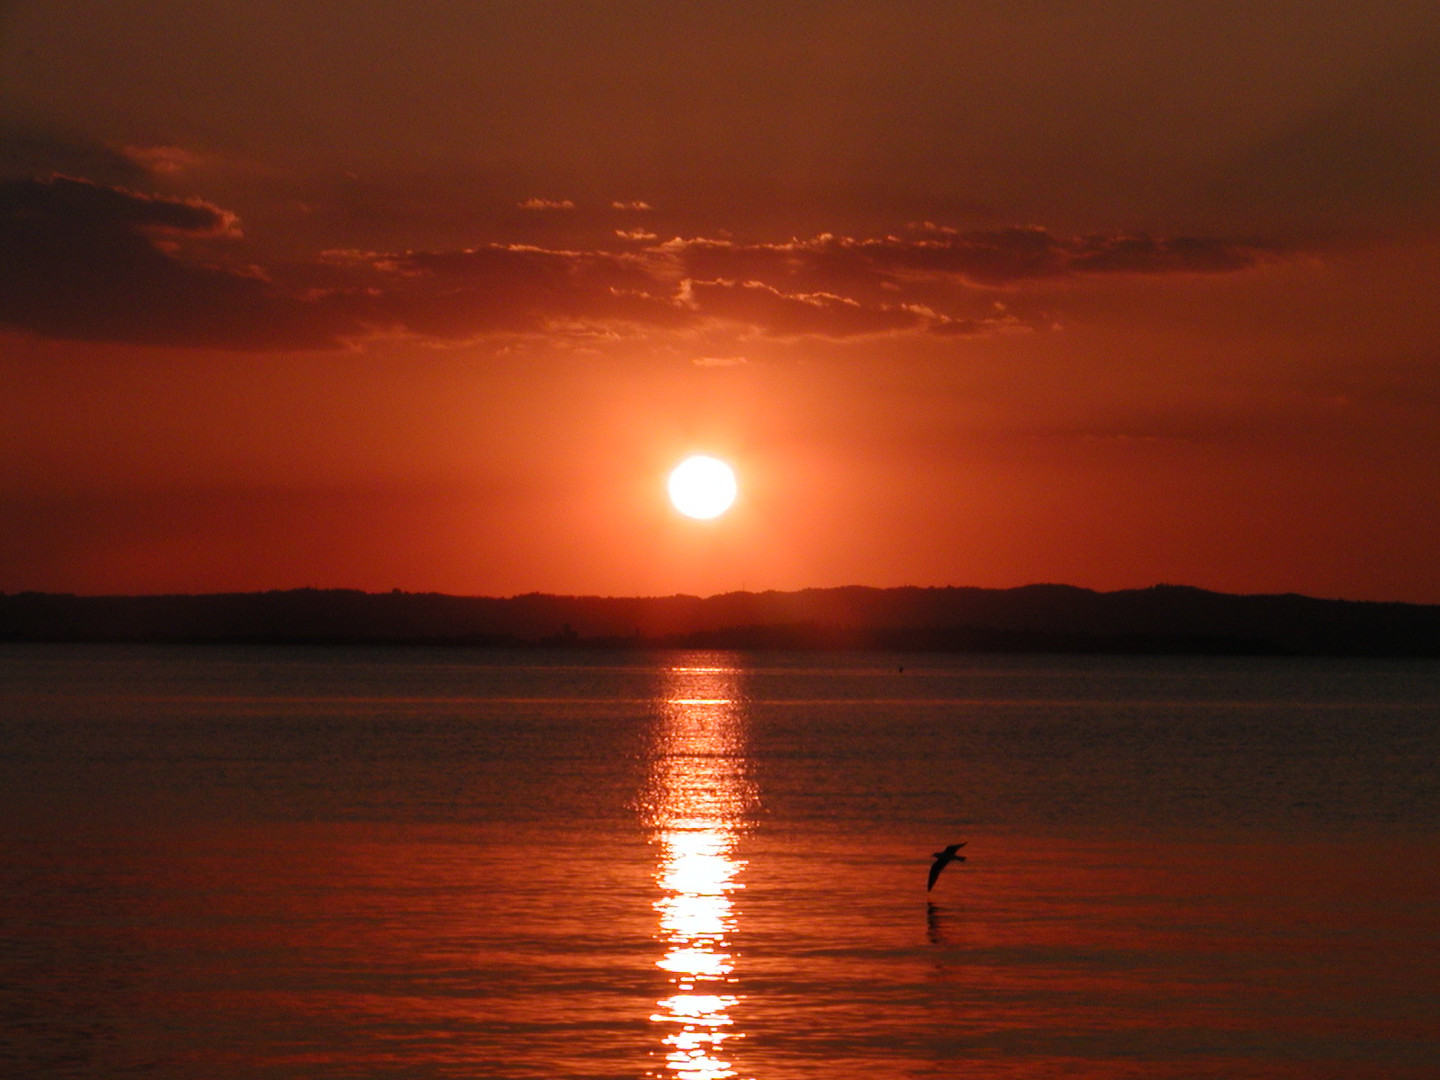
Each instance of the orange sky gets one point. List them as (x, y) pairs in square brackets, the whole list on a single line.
[(432, 296)]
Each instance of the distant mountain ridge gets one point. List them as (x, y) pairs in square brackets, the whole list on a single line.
[(1032, 618)]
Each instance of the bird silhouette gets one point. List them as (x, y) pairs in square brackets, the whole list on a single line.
[(942, 860)]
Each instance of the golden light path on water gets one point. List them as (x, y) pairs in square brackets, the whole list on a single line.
[(698, 798)]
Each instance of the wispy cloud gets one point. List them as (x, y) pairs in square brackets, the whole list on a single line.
[(984, 258), (162, 160), (546, 204), (81, 259)]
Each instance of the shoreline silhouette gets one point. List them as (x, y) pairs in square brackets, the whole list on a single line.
[(1161, 620)]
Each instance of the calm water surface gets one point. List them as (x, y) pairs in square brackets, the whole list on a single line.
[(237, 863)]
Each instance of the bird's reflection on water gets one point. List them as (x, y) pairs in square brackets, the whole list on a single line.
[(696, 805), (939, 924)]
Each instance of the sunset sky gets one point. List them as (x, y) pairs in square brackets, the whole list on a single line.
[(432, 296)]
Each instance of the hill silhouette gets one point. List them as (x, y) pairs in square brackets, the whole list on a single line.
[(1033, 618)]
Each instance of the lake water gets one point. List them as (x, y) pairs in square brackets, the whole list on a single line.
[(261, 863)]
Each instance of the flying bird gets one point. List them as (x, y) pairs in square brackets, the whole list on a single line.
[(942, 860)]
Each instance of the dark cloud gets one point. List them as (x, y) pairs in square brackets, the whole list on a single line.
[(84, 260), (27, 153), (62, 205), (80, 260), (36, 153)]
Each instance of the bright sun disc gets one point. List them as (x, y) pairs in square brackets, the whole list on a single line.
[(702, 487)]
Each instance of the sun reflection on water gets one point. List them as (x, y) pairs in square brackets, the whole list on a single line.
[(696, 805)]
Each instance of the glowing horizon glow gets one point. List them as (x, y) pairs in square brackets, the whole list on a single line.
[(702, 487)]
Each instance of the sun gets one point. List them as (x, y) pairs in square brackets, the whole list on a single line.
[(702, 487)]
